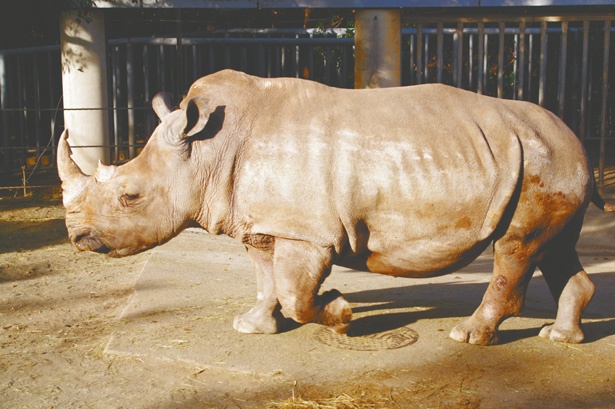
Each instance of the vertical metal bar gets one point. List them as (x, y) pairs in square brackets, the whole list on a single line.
[(345, 81), (454, 60), (412, 56), (275, 72), (459, 62), (561, 92), (521, 57), (440, 41), (542, 81), (501, 29), (116, 86), (3, 106), (426, 54), (530, 65), (37, 104), (146, 73), (470, 61), (311, 62), (130, 103), (328, 65), (52, 103), (605, 93), (150, 122), (243, 58), (296, 60), (179, 86), (480, 58), (23, 132), (419, 53), (283, 60), (269, 60), (486, 64), (227, 53), (515, 65), (162, 69), (212, 58), (261, 60), (196, 62), (584, 79)]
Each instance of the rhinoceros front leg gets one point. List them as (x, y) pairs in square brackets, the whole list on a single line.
[(299, 270), (265, 317)]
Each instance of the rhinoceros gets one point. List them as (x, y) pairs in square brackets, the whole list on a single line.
[(411, 182)]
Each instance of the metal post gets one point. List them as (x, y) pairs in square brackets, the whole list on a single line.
[(561, 93), (542, 82), (521, 69), (501, 30), (605, 94), (115, 93), (130, 100), (480, 57), (419, 53), (179, 69), (3, 107), (377, 48), (530, 65), (440, 41), (584, 79), (471, 61), (459, 61), (84, 84)]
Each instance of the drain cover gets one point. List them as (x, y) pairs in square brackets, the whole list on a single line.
[(392, 339)]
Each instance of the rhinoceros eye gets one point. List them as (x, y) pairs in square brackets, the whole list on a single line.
[(129, 199)]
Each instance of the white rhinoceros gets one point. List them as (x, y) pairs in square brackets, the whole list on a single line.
[(412, 181)]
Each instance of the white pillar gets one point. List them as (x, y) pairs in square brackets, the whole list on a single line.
[(377, 48), (84, 84)]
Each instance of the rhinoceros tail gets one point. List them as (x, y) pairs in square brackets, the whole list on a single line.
[(600, 203)]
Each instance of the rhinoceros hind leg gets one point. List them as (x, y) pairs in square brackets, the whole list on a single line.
[(571, 288), (513, 268), (299, 270)]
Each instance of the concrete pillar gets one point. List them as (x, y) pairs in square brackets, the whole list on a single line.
[(377, 48), (84, 84)]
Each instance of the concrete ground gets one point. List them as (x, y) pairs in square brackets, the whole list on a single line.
[(191, 288)]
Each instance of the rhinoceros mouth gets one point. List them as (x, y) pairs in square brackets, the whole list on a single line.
[(88, 242)]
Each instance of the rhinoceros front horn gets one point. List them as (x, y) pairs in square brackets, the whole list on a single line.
[(73, 179)]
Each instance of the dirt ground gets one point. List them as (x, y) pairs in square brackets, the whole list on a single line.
[(58, 309)]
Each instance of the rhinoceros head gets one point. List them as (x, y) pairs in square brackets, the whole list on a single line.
[(121, 210)]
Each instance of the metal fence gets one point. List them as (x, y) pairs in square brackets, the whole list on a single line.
[(566, 64)]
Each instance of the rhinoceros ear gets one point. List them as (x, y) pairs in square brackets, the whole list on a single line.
[(162, 104), (197, 114)]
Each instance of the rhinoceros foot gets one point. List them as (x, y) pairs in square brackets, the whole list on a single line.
[(335, 311), (568, 335), (471, 332), (257, 322)]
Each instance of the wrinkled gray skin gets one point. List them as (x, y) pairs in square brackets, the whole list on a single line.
[(412, 182)]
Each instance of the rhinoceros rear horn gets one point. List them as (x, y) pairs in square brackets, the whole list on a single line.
[(197, 114), (73, 179)]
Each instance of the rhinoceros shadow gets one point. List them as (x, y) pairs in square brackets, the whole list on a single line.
[(381, 310)]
